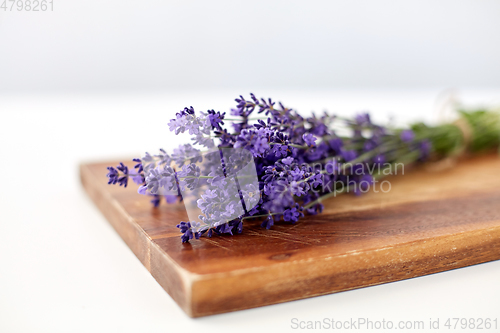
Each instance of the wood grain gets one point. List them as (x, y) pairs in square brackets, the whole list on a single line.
[(427, 223)]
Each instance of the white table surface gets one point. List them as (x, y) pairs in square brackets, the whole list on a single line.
[(64, 269)]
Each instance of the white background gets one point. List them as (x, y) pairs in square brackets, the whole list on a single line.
[(97, 80), (156, 45)]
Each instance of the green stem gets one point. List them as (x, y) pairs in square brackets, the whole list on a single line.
[(242, 118), (369, 154), (257, 216)]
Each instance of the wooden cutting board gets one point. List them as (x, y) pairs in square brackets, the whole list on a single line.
[(430, 221)]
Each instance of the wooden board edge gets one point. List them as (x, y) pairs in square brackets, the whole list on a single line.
[(287, 281), (176, 281), (202, 295)]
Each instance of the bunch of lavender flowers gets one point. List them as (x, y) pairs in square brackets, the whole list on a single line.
[(269, 162)]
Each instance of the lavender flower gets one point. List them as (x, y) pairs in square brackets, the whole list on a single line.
[(216, 119), (293, 214), (407, 136), (274, 164), (160, 180), (363, 119), (114, 175), (185, 153), (187, 232), (255, 140), (309, 139)]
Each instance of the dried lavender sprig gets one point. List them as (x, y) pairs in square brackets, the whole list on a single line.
[(285, 141)]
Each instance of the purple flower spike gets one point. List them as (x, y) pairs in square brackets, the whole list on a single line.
[(185, 228), (268, 222), (293, 214), (138, 166), (379, 159), (256, 141), (216, 119), (349, 155), (112, 175), (156, 201), (425, 149), (142, 189), (316, 209), (363, 119), (309, 139), (118, 175), (407, 136)]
